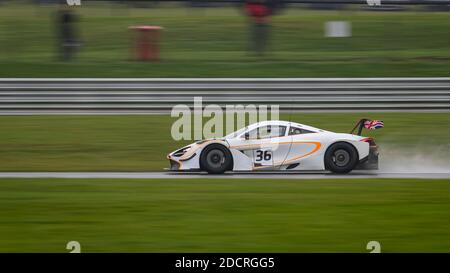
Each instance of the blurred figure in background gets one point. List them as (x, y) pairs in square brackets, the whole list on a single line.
[(259, 12), (66, 21)]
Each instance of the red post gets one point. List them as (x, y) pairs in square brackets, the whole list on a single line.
[(146, 43)]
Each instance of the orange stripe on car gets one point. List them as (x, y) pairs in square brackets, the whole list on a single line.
[(318, 145)]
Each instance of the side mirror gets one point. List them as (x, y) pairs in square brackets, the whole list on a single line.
[(247, 136)]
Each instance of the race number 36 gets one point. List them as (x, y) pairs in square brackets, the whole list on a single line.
[(263, 156)]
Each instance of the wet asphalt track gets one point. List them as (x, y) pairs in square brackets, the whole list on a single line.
[(240, 175)]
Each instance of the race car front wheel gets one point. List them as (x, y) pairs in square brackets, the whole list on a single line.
[(341, 157), (216, 159)]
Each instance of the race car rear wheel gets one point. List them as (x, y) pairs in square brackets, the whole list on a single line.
[(216, 159), (341, 157)]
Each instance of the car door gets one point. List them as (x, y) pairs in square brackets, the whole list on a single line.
[(305, 143), (267, 146)]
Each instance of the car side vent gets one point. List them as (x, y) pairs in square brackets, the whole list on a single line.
[(292, 166)]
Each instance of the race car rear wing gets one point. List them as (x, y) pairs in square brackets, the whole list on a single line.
[(368, 124)]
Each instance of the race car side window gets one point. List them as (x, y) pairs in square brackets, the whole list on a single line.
[(298, 131), (268, 131), (253, 134)]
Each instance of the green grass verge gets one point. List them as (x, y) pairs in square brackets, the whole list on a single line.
[(141, 143), (224, 215), (212, 42)]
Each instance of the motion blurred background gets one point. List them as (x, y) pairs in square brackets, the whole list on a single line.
[(212, 38)]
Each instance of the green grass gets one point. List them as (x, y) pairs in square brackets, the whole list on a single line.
[(212, 42), (224, 215), (141, 143)]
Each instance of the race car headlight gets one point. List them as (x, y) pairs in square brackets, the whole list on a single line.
[(181, 151)]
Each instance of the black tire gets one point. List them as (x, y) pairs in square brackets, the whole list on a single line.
[(216, 159), (341, 157)]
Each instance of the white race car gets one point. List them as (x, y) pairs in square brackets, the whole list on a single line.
[(279, 145)]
